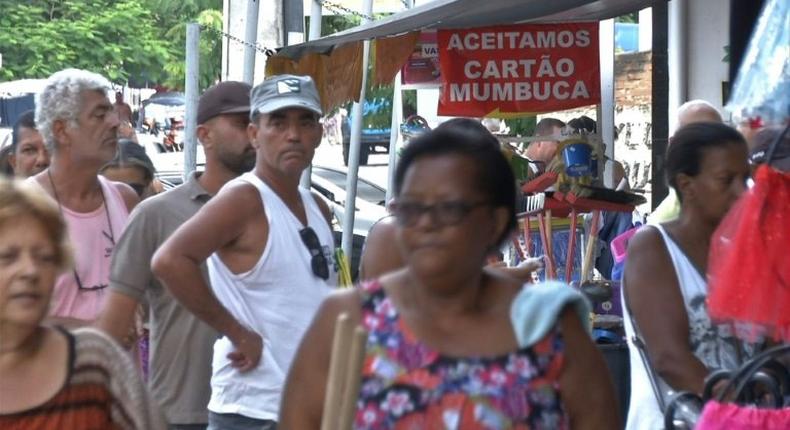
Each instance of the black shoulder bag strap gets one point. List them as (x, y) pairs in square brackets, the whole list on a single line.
[(637, 340)]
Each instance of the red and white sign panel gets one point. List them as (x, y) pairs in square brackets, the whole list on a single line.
[(522, 68), (422, 68)]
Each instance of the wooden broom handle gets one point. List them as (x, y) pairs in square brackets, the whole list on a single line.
[(337, 373), (587, 263), (348, 405)]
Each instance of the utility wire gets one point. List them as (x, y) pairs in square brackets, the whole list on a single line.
[(260, 48), (334, 7)]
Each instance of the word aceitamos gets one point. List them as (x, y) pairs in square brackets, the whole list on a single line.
[(472, 41)]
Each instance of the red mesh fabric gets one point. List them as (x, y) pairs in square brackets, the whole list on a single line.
[(749, 261), (725, 416)]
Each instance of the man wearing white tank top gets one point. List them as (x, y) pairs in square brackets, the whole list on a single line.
[(268, 246), (80, 129)]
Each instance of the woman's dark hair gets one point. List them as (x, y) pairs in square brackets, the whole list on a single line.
[(468, 138), (583, 124), (5, 164), (689, 144), (26, 120), (132, 154)]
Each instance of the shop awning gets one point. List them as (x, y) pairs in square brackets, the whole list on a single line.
[(335, 61), (471, 13)]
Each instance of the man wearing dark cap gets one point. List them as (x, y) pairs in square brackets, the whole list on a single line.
[(760, 145), (268, 246), (181, 345)]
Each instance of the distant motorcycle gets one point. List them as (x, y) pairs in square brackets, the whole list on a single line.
[(413, 126)]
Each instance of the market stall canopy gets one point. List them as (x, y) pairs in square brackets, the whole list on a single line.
[(166, 99), (440, 14), (335, 61), (21, 87)]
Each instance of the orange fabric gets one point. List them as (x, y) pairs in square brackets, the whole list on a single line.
[(79, 406), (338, 75), (390, 55)]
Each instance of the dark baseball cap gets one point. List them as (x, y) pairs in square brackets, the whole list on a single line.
[(286, 91), (762, 143), (222, 98)]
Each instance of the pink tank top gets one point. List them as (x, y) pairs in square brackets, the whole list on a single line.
[(92, 237)]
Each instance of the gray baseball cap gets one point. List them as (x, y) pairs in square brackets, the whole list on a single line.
[(285, 91)]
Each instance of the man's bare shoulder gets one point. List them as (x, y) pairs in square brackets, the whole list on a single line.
[(238, 188), (238, 200)]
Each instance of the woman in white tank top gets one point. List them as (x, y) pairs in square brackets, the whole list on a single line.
[(665, 272)]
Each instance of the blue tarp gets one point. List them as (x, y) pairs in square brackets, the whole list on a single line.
[(12, 108)]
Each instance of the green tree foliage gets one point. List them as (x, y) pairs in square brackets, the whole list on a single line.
[(522, 126), (169, 10), (210, 67), (137, 41), (631, 18), (115, 38), (172, 17)]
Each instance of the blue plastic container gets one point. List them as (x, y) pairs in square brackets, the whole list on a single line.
[(577, 159)]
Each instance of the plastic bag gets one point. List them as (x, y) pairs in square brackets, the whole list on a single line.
[(762, 88), (749, 266), (728, 416)]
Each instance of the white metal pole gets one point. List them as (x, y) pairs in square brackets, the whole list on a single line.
[(606, 119), (353, 149), (395, 136), (646, 29), (226, 11), (316, 14), (677, 59), (191, 97), (251, 37)]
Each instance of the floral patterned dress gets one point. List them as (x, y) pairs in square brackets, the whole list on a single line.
[(407, 385)]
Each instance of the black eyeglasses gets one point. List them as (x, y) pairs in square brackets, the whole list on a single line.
[(83, 288), (446, 213), (317, 261), (107, 253)]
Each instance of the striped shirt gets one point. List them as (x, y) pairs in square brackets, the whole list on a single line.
[(103, 390)]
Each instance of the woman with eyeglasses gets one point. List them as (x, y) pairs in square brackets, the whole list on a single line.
[(133, 167), (51, 378), (442, 352)]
